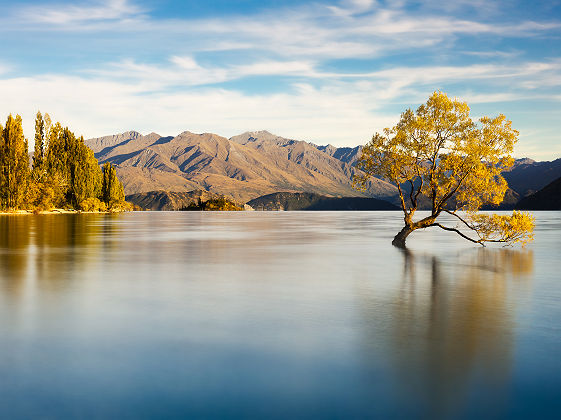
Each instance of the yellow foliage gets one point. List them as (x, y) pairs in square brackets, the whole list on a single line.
[(119, 205), (93, 204), (40, 196), (65, 172), (441, 154), (511, 229)]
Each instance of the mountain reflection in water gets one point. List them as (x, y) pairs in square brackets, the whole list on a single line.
[(275, 315)]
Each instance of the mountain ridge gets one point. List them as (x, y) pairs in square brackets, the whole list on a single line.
[(245, 166), (257, 163)]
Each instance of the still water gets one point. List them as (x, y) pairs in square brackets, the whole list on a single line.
[(274, 315)]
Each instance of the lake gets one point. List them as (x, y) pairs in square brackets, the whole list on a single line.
[(274, 315)]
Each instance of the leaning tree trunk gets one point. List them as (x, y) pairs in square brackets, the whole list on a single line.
[(399, 239)]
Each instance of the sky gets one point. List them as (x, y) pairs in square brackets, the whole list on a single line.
[(328, 72)]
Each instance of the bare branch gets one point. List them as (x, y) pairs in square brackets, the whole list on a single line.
[(453, 191), (460, 218), (413, 202), (480, 242), (402, 199)]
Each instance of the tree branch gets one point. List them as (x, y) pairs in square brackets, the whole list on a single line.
[(480, 242), (413, 202), (402, 199), (453, 191), (461, 219)]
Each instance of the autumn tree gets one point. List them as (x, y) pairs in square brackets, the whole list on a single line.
[(65, 171), (39, 150), (112, 190), (72, 166), (440, 155), (41, 191), (14, 164)]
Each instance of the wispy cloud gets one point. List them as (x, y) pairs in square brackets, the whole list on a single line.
[(171, 74), (391, 84), (325, 32), (353, 28), (342, 113), (4, 69), (62, 14), (308, 113), (349, 8), (185, 71)]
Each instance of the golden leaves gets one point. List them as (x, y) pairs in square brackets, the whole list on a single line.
[(440, 153), (509, 229)]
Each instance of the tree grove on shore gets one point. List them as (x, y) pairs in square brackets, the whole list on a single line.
[(65, 172), (439, 154)]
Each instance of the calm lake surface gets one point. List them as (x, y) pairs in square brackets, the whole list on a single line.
[(274, 315)]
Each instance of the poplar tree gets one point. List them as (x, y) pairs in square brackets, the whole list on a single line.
[(38, 154), (14, 164), (2, 166), (73, 165), (47, 125), (112, 189), (65, 171), (86, 176)]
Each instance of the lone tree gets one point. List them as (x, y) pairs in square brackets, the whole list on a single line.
[(438, 155)]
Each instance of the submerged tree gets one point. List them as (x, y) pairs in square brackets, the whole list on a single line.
[(439, 154)]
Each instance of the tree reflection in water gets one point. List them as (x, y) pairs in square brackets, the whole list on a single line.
[(46, 249), (453, 326)]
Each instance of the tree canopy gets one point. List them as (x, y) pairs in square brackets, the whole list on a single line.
[(440, 155), (65, 172)]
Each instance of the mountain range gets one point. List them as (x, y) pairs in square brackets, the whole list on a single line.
[(254, 164), (244, 167)]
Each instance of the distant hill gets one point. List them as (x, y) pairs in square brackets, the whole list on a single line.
[(243, 167), (308, 201), (510, 199), (528, 176), (548, 198), (98, 144), (345, 154)]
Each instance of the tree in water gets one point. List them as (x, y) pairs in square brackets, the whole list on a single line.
[(438, 153), (14, 164)]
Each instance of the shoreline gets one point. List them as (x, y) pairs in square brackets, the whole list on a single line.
[(53, 211)]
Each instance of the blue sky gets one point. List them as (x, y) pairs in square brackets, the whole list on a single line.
[(326, 71)]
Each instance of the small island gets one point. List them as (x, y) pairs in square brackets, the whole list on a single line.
[(214, 204)]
